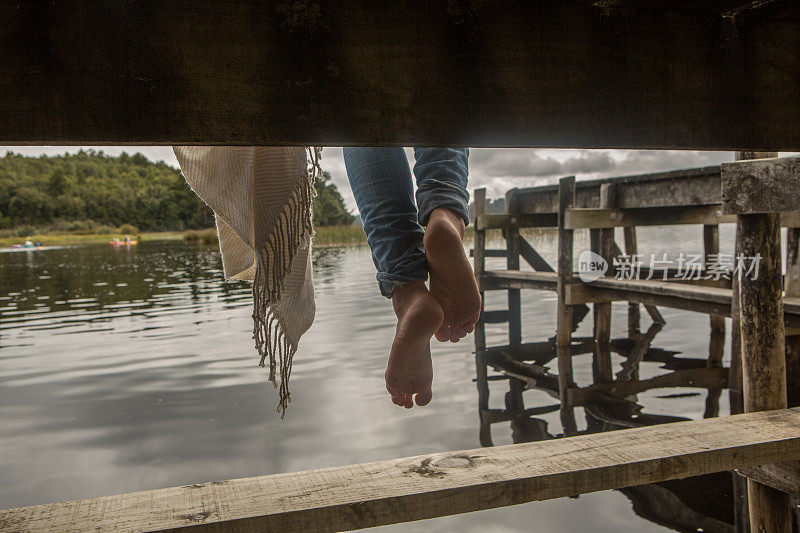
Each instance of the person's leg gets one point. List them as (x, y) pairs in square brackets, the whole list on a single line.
[(442, 199), (384, 191)]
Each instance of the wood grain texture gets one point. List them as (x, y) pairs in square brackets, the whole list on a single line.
[(479, 264), (784, 477), (654, 216), (763, 350), (634, 313), (557, 73), (565, 312), (428, 486), (761, 185), (693, 186), (518, 279)]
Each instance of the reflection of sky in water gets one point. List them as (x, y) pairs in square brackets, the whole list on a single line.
[(132, 369)]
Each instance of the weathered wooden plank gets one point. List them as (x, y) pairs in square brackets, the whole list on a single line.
[(427, 486), (656, 216), (769, 185), (489, 253), (518, 279), (784, 477), (532, 257), (693, 186), (496, 317), (555, 73), (681, 290), (530, 220)]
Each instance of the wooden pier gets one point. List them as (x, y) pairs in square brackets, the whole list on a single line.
[(729, 193)]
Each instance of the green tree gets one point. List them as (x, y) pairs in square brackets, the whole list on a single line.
[(91, 186), (57, 185), (329, 208)]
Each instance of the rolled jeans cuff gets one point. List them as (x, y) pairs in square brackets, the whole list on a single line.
[(433, 194), (389, 282)]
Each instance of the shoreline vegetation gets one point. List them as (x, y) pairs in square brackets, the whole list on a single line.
[(324, 237), (91, 197)]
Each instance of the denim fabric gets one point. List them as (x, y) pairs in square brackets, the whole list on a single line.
[(384, 191)]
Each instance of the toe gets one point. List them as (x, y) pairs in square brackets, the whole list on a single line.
[(443, 334), (454, 335), (408, 401), (424, 398)]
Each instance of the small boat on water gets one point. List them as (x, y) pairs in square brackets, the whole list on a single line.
[(124, 242), (29, 245)]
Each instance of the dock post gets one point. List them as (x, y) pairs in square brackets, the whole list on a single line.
[(716, 322), (791, 287), (479, 248), (711, 256), (511, 233), (763, 349), (631, 249), (735, 395), (602, 310), (566, 200)]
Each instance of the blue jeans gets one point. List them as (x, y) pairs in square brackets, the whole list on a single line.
[(381, 182)]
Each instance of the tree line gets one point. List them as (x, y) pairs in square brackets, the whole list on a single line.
[(109, 190)]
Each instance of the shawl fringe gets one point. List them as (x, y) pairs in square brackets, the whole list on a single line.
[(273, 262)]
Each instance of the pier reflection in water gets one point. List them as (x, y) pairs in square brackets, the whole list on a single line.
[(702, 503)]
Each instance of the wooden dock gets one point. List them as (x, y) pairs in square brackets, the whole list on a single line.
[(762, 314)]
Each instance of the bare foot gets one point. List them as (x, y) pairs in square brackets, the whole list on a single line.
[(452, 281), (410, 370)]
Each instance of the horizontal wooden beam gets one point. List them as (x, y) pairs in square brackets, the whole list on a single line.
[(489, 253), (656, 216), (784, 477), (555, 73), (495, 317), (517, 279), (428, 486), (531, 220), (761, 185), (684, 187)]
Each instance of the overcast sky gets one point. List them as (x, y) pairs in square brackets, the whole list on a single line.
[(496, 169)]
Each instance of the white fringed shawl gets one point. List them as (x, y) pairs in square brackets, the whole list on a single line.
[(261, 197)]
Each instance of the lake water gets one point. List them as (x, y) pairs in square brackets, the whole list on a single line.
[(132, 369)]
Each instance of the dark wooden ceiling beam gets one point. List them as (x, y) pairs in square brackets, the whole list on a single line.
[(476, 72)]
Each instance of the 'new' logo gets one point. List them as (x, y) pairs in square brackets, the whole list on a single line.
[(591, 266)]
